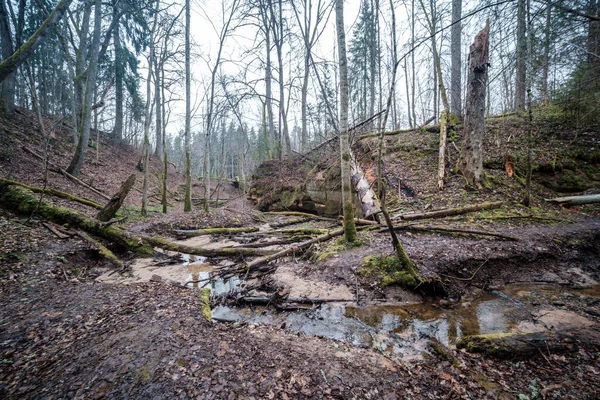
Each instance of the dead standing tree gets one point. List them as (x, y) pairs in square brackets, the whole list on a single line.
[(471, 162)]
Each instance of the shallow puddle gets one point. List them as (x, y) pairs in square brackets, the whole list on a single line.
[(405, 329), (192, 271)]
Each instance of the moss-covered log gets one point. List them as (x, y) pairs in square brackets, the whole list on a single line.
[(576, 200), (215, 231), (516, 345), (53, 192), (102, 250), (113, 205), (164, 244), (300, 231), (299, 214), (25, 202)]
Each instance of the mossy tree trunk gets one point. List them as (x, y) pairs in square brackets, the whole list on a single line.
[(349, 226)]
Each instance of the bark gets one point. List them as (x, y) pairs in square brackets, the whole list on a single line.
[(575, 200), (449, 212), (593, 38), (53, 192), (455, 50), (347, 203), (86, 117), (521, 54), (111, 208), (187, 206), (9, 65), (471, 163)]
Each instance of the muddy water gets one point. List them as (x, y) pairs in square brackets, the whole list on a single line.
[(192, 271), (405, 329)]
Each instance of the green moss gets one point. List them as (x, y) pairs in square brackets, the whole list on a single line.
[(287, 198), (491, 344), (443, 352), (390, 270), (145, 374), (205, 301)]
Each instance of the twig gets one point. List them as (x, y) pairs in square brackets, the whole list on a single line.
[(467, 279)]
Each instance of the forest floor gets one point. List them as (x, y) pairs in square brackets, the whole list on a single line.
[(64, 333)]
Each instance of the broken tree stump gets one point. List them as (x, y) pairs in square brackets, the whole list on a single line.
[(114, 204)]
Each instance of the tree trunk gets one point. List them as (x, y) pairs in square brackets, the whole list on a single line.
[(6, 47), (119, 72), (471, 163), (187, 206), (521, 54), (111, 208), (347, 203), (546, 67), (86, 117), (455, 50)]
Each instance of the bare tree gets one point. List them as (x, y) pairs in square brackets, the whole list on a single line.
[(455, 51), (187, 205), (349, 226), (521, 54)]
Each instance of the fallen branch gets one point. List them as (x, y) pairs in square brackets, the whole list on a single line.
[(290, 222), (450, 230), (52, 192), (102, 250), (299, 214), (56, 232), (449, 211), (423, 126), (302, 300), (214, 231), (67, 175), (575, 200)]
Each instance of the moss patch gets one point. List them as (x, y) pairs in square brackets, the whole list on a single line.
[(389, 270), (205, 301)]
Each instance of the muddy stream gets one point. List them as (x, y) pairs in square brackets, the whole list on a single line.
[(402, 329)]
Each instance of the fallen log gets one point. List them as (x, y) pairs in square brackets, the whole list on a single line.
[(299, 214), (422, 127), (102, 250), (451, 230), (290, 222), (214, 231), (164, 244), (67, 175), (24, 202), (114, 204), (295, 248), (55, 231), (261, 300), (299, 231), (516, 345), (575, 200), (52, 192), (449, 211)]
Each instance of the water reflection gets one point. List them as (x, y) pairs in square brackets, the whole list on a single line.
[(199, 276)]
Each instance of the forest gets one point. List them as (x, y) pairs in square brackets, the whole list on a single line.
[(297, 199)]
